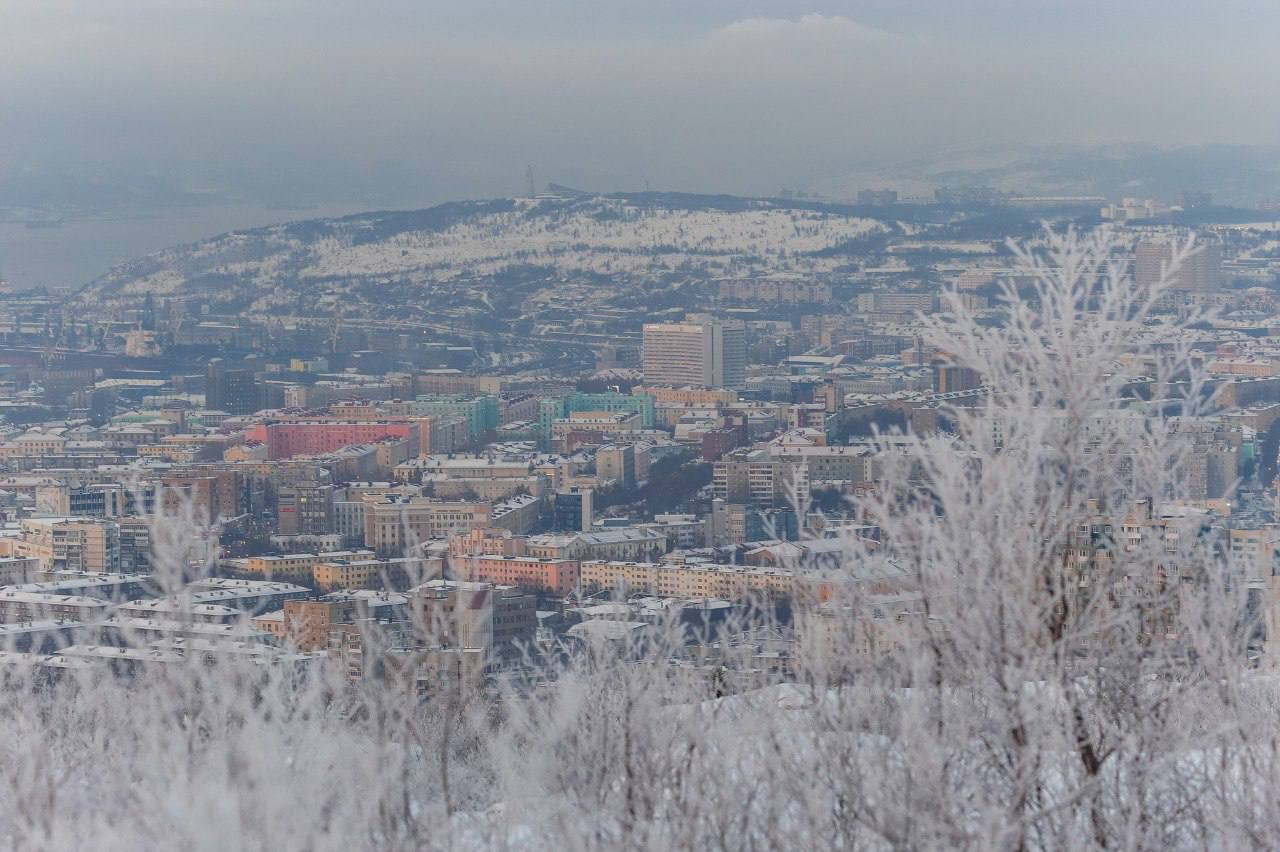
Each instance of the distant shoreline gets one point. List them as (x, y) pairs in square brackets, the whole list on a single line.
[(70, 250)]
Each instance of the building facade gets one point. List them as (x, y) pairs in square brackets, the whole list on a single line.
[(700, 351)]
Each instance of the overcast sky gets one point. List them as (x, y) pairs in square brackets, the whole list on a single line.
[(419, 100)]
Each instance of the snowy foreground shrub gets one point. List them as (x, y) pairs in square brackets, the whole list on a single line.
[(1072, 667)]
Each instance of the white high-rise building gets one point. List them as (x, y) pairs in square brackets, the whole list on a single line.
[(1201, 271), (702, 351)]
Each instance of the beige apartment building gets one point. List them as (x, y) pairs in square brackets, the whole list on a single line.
[(291, 566), (629, 544), (731, 582), (33, 444), (701, 351), (755, 476), (603, 422), (347, 575), (392, 526), (462, 467), (369, 573), (68, 544), (690, 395)]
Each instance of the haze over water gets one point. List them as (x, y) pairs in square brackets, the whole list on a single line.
[(80, 249)]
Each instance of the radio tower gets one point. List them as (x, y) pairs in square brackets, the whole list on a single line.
[(528, 179)]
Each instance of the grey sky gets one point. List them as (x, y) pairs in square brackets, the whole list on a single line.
[(305, 100)]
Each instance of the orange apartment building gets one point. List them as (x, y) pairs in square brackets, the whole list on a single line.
[(557, 576)]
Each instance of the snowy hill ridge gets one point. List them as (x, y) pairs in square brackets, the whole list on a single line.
[(623, 237)]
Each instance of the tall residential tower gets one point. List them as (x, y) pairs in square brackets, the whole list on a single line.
[(702, 351)]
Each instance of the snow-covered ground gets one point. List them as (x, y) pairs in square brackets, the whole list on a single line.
[(596, 237), (581, 242)]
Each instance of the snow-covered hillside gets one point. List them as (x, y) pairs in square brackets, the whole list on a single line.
[(615, 237)]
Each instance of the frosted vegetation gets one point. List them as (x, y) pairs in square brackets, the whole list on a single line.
[(1044, 687)]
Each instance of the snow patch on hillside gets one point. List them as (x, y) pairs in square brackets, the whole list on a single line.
[(602, 236)]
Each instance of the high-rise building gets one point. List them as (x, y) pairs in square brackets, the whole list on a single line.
[(618, 463), (1201, 271), (135, 545), (702, 351), (305, 509), (230, 389), (573, 510)]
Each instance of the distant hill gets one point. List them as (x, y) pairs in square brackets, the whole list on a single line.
[(377, 262), (1240, 175)]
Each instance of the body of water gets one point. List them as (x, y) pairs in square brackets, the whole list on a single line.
[(80, 249)]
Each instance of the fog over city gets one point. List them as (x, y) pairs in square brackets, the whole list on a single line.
[(407, 103)]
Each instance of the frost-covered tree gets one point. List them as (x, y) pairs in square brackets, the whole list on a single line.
[(1043, 646), (1070, 664)]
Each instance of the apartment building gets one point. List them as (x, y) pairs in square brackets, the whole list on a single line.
[(217, 600), (18, 569), (306, 624), (1201, 271), (755, 476), (305, 509), (897, 302), (19, 606), (556, 408), (691, 396), (285, 439), (290, 566), (701, 351), (791, 291), (693, 580), (624, 543), (462, 467), (498, 619), (370, 573), (392, 525), (480, 412), (556, 576), (348, 521), (68, 544), (1253, 551)]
